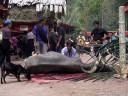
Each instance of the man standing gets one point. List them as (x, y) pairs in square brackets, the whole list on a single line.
[(52, 40), (6, 42), (98, 34), (41, 41), (61, 36), (30, 43)]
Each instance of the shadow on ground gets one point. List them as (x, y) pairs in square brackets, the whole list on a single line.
[(102, 76)]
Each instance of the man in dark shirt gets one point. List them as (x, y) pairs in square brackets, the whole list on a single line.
[(6, 42), (41, 46), (98, 34), (61, 36), (52, 40)]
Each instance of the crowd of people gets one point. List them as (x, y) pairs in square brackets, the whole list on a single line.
[(40, 39), (48, 40)]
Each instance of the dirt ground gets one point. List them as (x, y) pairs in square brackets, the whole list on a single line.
[(111, 87)]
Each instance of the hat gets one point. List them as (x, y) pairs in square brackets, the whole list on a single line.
[(7, 22)]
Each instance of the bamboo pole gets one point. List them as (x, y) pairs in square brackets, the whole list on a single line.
[(122, 60)]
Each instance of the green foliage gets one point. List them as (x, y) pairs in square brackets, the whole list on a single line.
[(82, 13), (76, 33)]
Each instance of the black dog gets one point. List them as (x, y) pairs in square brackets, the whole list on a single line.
[(7, 68)]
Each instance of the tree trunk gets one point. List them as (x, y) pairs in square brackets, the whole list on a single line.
[(122, 41)]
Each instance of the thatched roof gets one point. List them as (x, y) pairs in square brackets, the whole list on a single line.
[(58, 6), (24, 14), (28, 10)]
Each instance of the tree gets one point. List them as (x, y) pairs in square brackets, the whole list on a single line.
[(82, 13)]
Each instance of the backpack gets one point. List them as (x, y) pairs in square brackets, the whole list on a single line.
[(42, 34)]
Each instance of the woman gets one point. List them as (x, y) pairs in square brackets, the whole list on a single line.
[(6, 42)]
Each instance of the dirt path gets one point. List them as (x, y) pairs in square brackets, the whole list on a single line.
[(111, 87)]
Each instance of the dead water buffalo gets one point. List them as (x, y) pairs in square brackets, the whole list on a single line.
[(53, 62)]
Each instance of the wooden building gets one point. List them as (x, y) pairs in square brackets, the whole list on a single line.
[(25, 13)]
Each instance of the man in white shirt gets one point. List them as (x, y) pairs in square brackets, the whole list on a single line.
[(69, 51)]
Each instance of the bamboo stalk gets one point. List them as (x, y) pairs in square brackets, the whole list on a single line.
[(122, 41)]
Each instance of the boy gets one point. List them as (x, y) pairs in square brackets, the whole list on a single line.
[(69, 51)]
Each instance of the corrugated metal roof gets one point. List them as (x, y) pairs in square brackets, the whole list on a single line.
[(58, 6)]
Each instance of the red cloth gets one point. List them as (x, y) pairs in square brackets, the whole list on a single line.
[(51, 78)]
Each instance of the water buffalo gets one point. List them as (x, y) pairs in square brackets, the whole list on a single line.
[(55, 62)]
